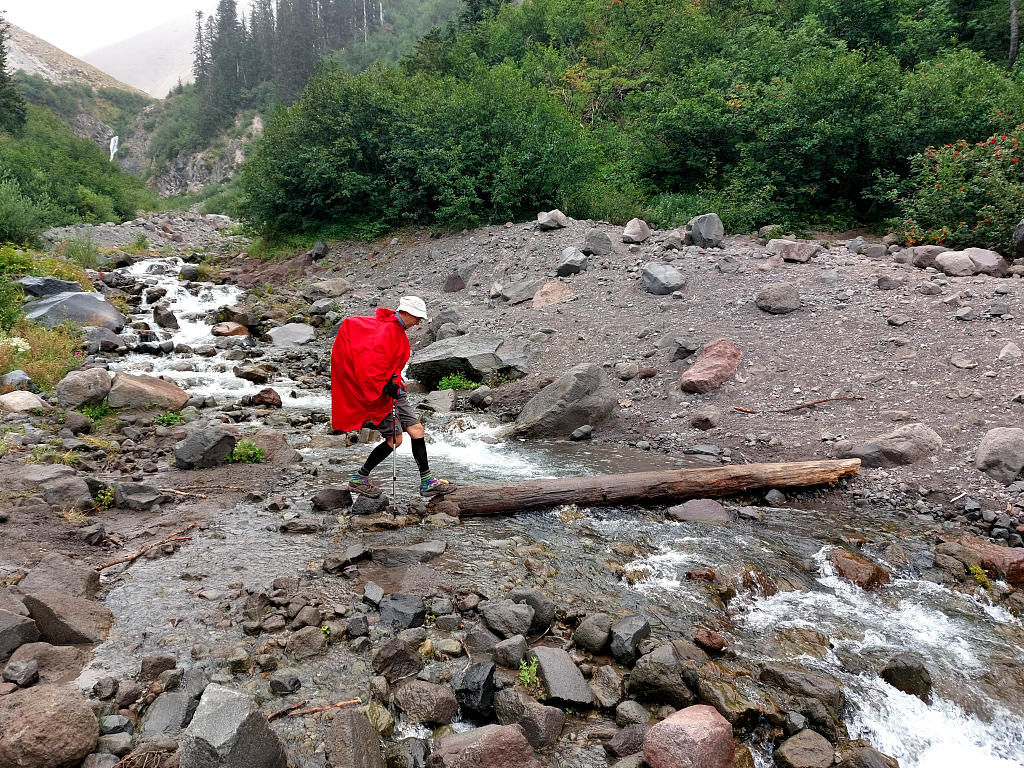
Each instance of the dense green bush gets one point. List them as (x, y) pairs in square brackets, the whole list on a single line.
[(964, 194), (21, 220), (379, 149)]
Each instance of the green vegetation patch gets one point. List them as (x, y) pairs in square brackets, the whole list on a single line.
[(246, 452)]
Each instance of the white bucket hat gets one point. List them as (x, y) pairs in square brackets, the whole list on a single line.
[(414, 305)]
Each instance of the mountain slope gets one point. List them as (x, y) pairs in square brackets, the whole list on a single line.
[(153, 61), (30, 54)]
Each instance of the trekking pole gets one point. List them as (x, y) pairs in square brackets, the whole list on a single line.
[(394, 445)]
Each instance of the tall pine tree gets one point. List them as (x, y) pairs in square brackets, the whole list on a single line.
[(12, 105), (200, 54)]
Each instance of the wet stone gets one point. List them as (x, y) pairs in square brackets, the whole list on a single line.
[(402, 610), (593, 632), (474, 689), (410, 752), (561, 677), (396, 660), (284, 684), (508, 653), (631, 712), (507, 618)]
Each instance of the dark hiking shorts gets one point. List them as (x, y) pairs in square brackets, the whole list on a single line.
[(406, 418)]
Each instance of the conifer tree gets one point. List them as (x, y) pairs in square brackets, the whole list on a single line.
[(12, 105), (200, 54)]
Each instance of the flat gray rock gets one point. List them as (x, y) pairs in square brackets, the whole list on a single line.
[(562, 679)]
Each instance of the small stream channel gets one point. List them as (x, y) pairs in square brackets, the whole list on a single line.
[(974, 650)]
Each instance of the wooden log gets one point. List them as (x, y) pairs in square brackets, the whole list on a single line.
[(645, 487)]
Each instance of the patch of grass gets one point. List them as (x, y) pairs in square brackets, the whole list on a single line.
[(49, 454), (97, 412), (168, 419), (456, 381), (52, 352), (74, 516), (246, 452), (498, 379), (141, 244), (80, 250), (528, 674)]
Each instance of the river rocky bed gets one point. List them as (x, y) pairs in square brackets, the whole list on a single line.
[(861, 624)]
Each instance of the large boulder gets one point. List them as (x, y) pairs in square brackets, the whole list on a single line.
[(905, 445), (660, 676), (493, 746), (806, 749), (541, 724), (67, 620), (291, 335), (635, 231), (580, 396), (972, 261), (1001, 454), (716, 362), (857, 568), (327, 289), (696, 736), (15, 631), (924, 256), (88, 387), (706, 230), (205, 445), (661, 279), (141, 391), (799, 251), (57, 573), (475, 357), (424, 702), (907, 672), (571, 262), (78, 308), (778, 298), (999, 562), (59, 485), (548, 220), (597, 243), (563, 681), (42, 287), (229, 730), (21, 401), (352, 741), (46, 727)]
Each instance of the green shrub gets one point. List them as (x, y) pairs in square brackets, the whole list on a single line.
[(456, 381), (21, 220), (96, 412), (247, 452), (104, 498), (962, 195), (169, 419), (81, 251)]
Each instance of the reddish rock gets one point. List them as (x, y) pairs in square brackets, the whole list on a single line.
[(29, 732), (552, 292), (697, 737), (57, 663), (267, 397), (709, 640), (702, 574), (716, 362), (648, 372), (999, 562), (276, 450), (699, 511), (806, 749), (141, 391), (229, 329), (858, 569), (799, 251), (493, 746)]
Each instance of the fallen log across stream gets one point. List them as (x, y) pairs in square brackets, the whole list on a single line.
[(644, 487)]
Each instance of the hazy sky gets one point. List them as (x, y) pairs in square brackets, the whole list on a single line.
[(82, 26)]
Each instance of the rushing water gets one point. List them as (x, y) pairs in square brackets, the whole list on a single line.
[(974, 650)]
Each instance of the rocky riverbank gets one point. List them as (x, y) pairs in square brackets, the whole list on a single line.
[(266, 588)]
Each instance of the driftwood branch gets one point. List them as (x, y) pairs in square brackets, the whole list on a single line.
[(645, 487), (808, 404), (177, 536), (324, 708), (287, 710), (186, 494)]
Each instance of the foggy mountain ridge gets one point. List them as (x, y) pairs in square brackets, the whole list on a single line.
[(153, 61)]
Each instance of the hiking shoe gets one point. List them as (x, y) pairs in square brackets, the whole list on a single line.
[(432, 486), (361, 484)]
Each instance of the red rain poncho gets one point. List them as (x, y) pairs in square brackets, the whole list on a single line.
[(366, 353)]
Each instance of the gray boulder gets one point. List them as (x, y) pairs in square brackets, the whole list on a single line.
[(592, 633), (57, 573), (18, 379), (548, 220), (563, 681), (291, 335), (20, 401), (798, 251), (15, 631), (42, 287), (580, 396), (204, 446), (67, 620), (571, 262), (1001, 454), (88, 387), (99, 339), (661, 279), (506, 618), (76, 307), (597, 243), (706, 230), (476, 357), (424, 702), (1018, 241), (229, 730), (778, 298), (904, 445), (625, 636), (327, 289), (352, 741), (167, 715), (662, 675), (541, 724), (907, 672), (972, 261), (924, 256), (46, 727)]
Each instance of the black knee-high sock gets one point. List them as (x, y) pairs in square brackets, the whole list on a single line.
[(377, 455), (419, 452)]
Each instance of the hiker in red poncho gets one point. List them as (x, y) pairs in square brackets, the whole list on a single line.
[(367, 389)]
